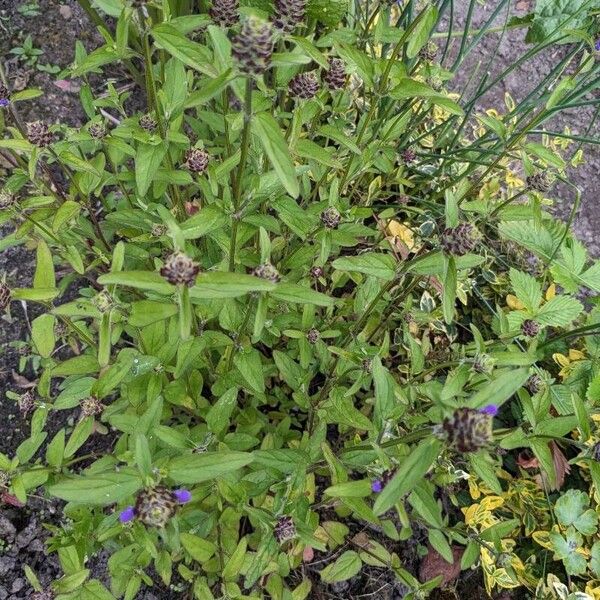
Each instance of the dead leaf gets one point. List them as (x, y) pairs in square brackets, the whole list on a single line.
[(66, 12), (22, 382), (433, 564), (12, 500), (561, 466), (308, 554), (527, 461), (67, 85), (362, 540)]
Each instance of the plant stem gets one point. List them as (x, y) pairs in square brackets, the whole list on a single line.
[(154, 103), (237, 191)]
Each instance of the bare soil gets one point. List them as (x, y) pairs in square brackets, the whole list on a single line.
[(59, 24)]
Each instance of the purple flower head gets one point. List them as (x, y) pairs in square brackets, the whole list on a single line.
[(4, 102), (490, 409), (376, 486), (597, 46), (127, 514), (183, 496)]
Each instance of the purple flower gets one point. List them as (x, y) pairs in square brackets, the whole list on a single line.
[(182, 496), (4, 102), (597, 46), (127, 514), (490, 409), (377, 486)]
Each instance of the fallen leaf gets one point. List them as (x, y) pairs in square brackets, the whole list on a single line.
[(22, 382), (12, 500), (362, 540), (67, 85), (308, 554), (433, 564), (66, 12)]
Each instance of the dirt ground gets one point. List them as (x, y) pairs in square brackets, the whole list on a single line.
[(54, 30)]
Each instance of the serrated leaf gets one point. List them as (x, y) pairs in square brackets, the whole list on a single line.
[(526, 288), (560, 311)]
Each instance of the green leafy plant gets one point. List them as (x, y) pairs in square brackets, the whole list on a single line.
[(27, 53), (304, 296)]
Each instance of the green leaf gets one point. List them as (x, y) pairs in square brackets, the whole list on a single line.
[(559, 311), (265, 127), (205, 221), (228, 285), (79, 436), (385, 399), (102, 489), (421, 33), (312, 151), (328, 12), (375, 264), (414, 467), (94, 590), (28, 94), (572, 508), (438, 540), (195, 468), (42, 334), (148, 159), (449, 294), (17, 145), (526, 288), (553, 17), (219, 414), (481, 464), (146, 312), (299, 294), (595, 560), (346, 566), (350, 489), (333, 133), (209, 89), (34, 295), (145, 280), (236, 560), (249, 364), (68, 211), (566, 550), (189, 53), (199, 549), (44, 270), (547, 155), (500, 389)]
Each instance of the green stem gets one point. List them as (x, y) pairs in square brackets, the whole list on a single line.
[(152, 94), (237, 191), (185, 312)]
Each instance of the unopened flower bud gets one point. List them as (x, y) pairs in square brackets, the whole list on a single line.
[(267, 271), (180, 269), (252, 47), (304, 85)]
